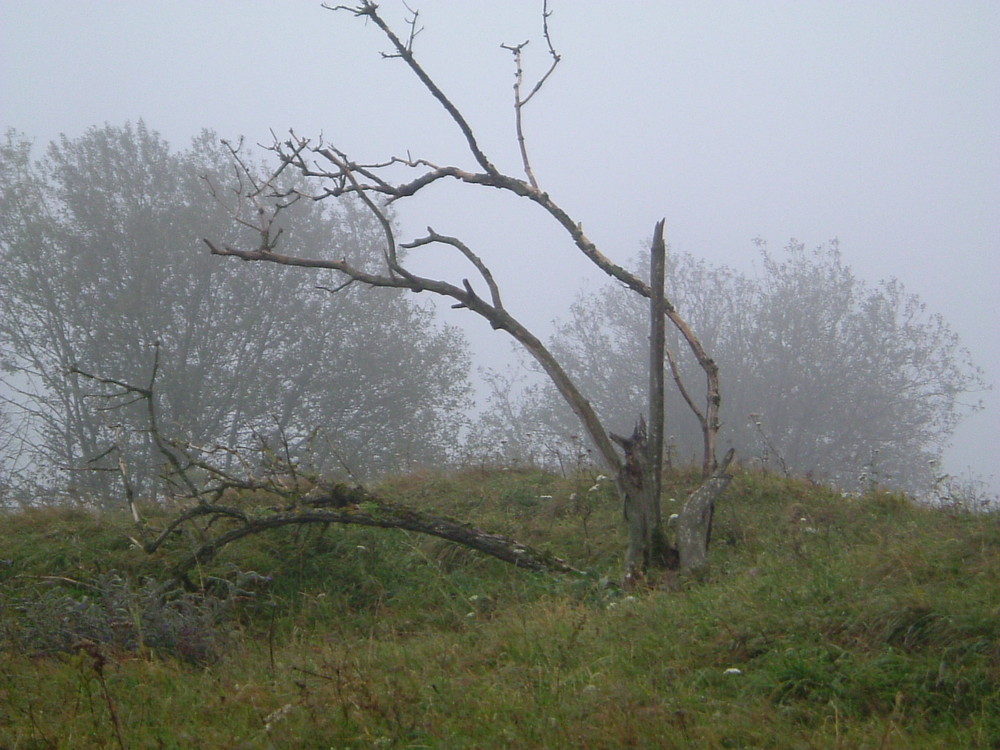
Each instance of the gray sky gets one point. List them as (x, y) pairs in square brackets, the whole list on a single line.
[(875, 122)]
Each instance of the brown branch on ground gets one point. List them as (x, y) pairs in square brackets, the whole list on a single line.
[(352, 505)]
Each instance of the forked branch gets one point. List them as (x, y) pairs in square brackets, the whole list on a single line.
[(519, 100)]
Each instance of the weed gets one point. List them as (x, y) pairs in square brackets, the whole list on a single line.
[(123, 618)]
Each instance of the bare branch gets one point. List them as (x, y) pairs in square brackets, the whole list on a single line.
[(370, 10), (347, 505), (679, 382), (466, 298), (337, 289), (169, 451), (484, 271), (546, 14), (519, 101)]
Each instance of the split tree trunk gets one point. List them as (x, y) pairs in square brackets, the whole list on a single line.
[(647, 544), (640, 478)]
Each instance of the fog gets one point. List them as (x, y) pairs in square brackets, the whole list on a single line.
[(872, 122)]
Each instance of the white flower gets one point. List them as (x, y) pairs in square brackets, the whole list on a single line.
[(733, 670), (672, 518), (672, 500), (600, 478), (361, 548), (595, 488), (572, 496), (545, 497), (470, 614)]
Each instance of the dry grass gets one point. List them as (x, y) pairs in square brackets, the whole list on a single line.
[(854, 623)]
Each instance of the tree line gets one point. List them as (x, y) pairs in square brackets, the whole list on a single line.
[(825, 375), (135, 357), (100, 241)]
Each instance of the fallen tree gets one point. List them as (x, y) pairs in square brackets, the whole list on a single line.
[(343, 504), (273, 493)]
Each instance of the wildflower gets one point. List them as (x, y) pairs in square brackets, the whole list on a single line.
[(572, 496), (595, 488), (361, 548), (600, 478), (470, 614), (545, 497), (672, 518), (733, 670)]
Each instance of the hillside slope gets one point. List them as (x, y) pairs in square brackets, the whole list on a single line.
[(825, 621)]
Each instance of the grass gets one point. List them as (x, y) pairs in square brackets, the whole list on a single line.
[(825, 622)]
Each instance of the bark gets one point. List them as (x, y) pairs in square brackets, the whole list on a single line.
[(657, 347), (351, 505), (694, 526), (647, 543)]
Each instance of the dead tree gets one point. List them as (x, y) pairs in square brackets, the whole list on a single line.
[(377, 186), (292, 498)]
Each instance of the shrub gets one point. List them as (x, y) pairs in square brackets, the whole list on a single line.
[(123, 616)]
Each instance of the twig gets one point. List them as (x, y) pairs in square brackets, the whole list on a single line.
[(519, 102)]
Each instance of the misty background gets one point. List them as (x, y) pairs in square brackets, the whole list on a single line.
[(873, 123)]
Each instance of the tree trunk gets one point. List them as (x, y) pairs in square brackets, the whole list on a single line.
[(657, 348), (694, 526), (647, 543)]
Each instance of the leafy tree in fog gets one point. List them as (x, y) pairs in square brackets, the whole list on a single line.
[(826, 375), (7, 455), (100, 242)]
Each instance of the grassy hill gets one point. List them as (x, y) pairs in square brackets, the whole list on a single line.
[(825, 622)]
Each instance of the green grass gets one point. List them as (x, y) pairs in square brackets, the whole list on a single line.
[(854, 623)]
